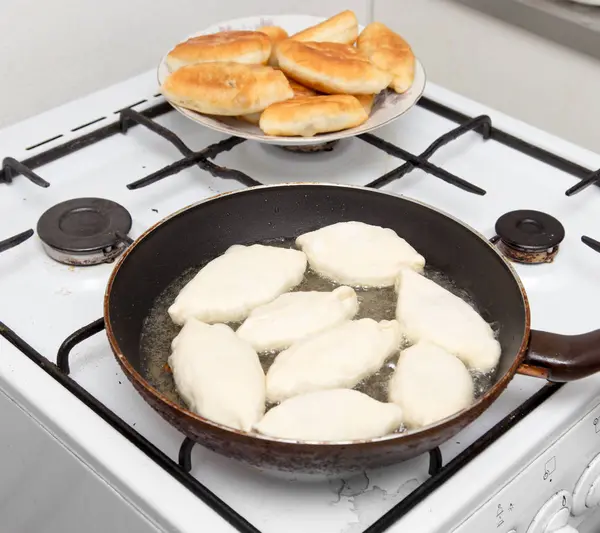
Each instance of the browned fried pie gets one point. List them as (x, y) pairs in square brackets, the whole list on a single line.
[(389, 52), (299, 91), (307, 116), (226, 88), (367, 101), (341, 28), (276, 34), (331, 68), (249, 47)]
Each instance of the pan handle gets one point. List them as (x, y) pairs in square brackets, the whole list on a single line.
[(561, 358)]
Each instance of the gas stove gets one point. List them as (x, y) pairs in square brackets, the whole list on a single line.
[(80, 182)]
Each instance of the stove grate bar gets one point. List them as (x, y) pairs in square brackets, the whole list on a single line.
[(421, 163), (56, 152), (11, 242), (511, 141), (170, 466), (467, 455), (129, 117), (436, 462), (74, 145), (592, 243), (185, 454), (592, 179), (11, 168), (62, 356), (185, 457), (481, 124), (139, 102), (200, 159)]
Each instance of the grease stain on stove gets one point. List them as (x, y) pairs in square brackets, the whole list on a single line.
[(369, 504), (349, 488)]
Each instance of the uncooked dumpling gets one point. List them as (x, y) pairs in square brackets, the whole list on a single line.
[(429, 384), (218, 375), (358, 254), (296, 315), (428, 312), (233, 284), (331, 415), (337, 358)]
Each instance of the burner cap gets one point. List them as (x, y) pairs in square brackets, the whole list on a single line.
[(84, 231), (530, 236)]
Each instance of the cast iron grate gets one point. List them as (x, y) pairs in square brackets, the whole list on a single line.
[(592, 243), (201, 158), (129, 117), (11, 242), (185, 457), (586, 175), (593, 178), (438, 473)]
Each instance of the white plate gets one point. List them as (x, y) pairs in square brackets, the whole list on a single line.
[(388, 105)]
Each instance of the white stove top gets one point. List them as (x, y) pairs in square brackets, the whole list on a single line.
[(44, 302)]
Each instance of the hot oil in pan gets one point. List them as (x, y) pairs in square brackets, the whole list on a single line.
[(155, 343), (378, 304)]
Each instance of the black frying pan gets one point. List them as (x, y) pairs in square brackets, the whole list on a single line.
[(205, 230)]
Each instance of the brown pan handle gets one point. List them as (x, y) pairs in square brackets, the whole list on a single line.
[(562, 357)]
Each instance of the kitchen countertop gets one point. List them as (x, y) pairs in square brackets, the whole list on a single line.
[(570, 24)]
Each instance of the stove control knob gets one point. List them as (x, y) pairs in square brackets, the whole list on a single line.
[(587, 490), (554, 515)]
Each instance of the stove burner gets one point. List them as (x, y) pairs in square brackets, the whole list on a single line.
[(530, 237), (312, 148), (85, 231)]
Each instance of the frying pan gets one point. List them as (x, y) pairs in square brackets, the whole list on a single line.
[(190, 237)]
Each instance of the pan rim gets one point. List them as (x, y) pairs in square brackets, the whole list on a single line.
[(489, 396)]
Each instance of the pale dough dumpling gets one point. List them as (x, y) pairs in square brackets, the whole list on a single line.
[(337, 358), (428, 312), (331, 415), (218, 375), (358, 254), (296, 315), (244, 277), (429, 384)]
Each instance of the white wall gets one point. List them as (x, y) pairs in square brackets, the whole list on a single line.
[(54, 51), (509, 69), (57, 50)]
